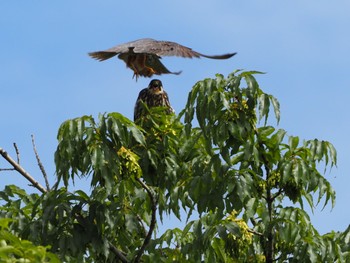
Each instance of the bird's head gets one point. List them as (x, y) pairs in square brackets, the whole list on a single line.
[(155, 86)]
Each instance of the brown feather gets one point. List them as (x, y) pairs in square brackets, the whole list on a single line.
[(143, 55), (153, 96)]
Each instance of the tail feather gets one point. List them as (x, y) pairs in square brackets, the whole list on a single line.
[(102, 55)]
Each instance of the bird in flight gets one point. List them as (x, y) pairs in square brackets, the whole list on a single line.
[(143, 55), (153, 96)]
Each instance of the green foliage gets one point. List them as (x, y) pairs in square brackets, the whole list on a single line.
[(15, 249), (230, 169)]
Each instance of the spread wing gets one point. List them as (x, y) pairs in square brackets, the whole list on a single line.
[(168, 48), (151, 46), (143, 55), (120, 49)]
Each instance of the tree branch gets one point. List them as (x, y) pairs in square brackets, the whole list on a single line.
[(83, 222), (41, 166), (20, 169), (118, 253), (153, 220), (6, 169), (17, 154), (142, 224), (280, 191), (255, 232), (17, 151)]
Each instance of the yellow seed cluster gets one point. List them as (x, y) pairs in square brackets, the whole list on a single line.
[(130, 162), (246, 235)]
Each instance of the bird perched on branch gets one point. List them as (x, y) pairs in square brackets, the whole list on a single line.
[(143, 55), (153, 96)]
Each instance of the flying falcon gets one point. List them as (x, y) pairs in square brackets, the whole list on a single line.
[(154, 95), (143, 55)]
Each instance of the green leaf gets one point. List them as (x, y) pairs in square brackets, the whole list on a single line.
[(251, 208), (276, 107), (218, 246), (82, 194), (220, 163), (286, 172), (264, 107), (293, 143), (278, 137)]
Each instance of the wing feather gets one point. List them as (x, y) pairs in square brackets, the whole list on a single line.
[(151, 46), (168, 48), (143, 55)]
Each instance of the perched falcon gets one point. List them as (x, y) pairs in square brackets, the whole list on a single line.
[(154, 95), (143, 55)]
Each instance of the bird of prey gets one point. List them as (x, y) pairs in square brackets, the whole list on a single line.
[(143, 55), (153, 96)]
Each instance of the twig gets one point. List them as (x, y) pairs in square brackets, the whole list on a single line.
[(17, 151), (118, 253), (153, 220), (6, 169), (42, 169), (142, 224), (20, 169), (254, 232), (280, 191), (140, 221), (17, 154)]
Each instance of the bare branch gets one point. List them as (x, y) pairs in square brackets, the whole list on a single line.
[(17, 151), (6, 169), (20, 169), (153, 220), (42, 169), (17, 154)]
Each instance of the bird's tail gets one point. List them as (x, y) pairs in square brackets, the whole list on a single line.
[(102, 55)]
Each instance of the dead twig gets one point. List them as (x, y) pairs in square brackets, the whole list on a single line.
[(6, 169), (17, 154), (17, 151), (41, 166), (23, 172)]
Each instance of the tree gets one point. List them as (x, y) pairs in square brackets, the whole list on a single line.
[(235, 173)]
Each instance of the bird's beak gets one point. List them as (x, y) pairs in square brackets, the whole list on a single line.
[(157, 89)]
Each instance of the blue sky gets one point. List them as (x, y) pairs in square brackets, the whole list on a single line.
[(46, 76)]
